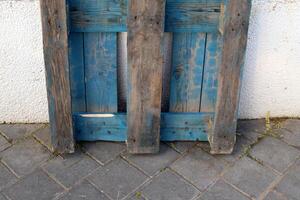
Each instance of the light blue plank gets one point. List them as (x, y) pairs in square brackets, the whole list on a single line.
[(76, 60), (111, 16), (213, 58), (100, 51), (186, 74), (113, 127)]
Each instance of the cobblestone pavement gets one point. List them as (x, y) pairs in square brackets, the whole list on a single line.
[(265, 165)]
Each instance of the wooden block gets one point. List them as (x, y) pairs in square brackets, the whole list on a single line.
[(145, 61), (100, 50), (113, 126), (234, 29), (55, 39), (187, 67)]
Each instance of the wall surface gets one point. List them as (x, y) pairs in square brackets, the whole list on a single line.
[(271, 74)]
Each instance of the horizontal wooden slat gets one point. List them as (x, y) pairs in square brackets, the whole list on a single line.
[(111, 16), (113, 126)]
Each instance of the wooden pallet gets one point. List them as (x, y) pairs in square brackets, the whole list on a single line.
[(208, 48)]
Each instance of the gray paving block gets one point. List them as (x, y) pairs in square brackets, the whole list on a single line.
[(44, 136), (222, 191), (15, 132), (291, 132), (241, 144), (275, 153), (292, 124), (104, 152), (251, 129), (290, 184), (71, 168), (273, 195), (84, 191), (6, 177), (199, 167), (250, 176), (168, 185), (4, 144), (36, 186), (182, 147), (25, 156), (136, 196), (2, 197), (117, 179), (154, 162)]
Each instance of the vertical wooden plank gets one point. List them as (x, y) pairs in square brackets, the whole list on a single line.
[(145, 61), (187, 68), (55, 39), (77, 73), (213, 55), (100, 51), (234, 30)]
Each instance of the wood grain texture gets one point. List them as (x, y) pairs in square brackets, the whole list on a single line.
[(77, 72), (113, 126), (100, 52), (213, 58), (187, 67), (145, 61), (235, 29), (55, 39), (111, 16)]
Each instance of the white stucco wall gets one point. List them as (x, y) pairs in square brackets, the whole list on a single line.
[(271, 75)]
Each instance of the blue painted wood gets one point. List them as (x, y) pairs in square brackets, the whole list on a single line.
[(111, 16), (113, 127), (76, 59), (213, 57), (186, 74), (100, 52)]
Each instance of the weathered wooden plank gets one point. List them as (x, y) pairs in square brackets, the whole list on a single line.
[(145, 61), (98, 15), (187, 68), (111, 16), (55, 39), (100, 50), (77, 74), (213, 58), (234, 28), (113, 126)]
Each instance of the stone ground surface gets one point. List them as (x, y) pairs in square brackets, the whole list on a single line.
[(265, 165)]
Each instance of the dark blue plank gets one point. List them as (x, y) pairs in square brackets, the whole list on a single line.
[(210, 76), (76, 59), (111, 16), (113, 127), (186, 75), (100, 51)]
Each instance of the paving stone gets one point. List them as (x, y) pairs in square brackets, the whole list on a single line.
[(6, 177), (273, 195), (136, 196), (71, 168), (25, 156), (36, 186), (199, 167), (290, 184), (275, 153), (168, 185), (117, 179), (251, 129), (182, 147), (241, 144), (84, 191), (222, 191), (4, 144), (44, 136), (250, 176), (291, 132), (104, 152), (2, 197), (15, 132), (154, 162)]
